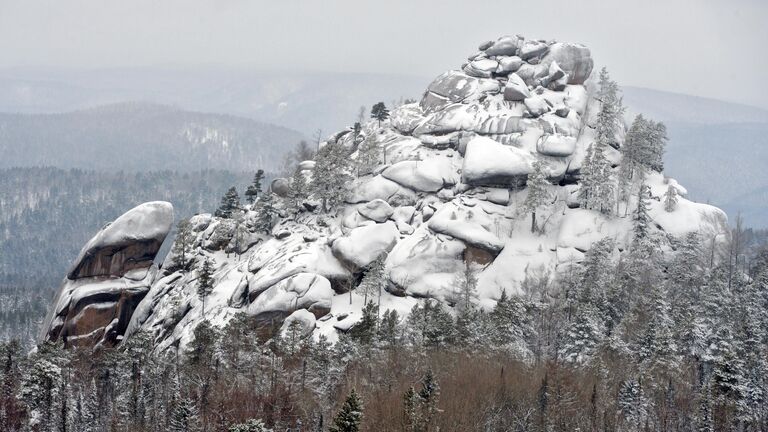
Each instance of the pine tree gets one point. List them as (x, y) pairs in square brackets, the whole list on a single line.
[(184, 417), (642, 218), (364, 332), (182, 245), (374, 279), (429, 396), (266, 213), (597, 188), (511, 325), (230, 203), (350, 416), (368, 155), (331, 175), (538, 192), (379, 112), (254, 189), (670, 199), (205, 282), (298, 191)]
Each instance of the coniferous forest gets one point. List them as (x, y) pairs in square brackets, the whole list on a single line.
[(640, 343)]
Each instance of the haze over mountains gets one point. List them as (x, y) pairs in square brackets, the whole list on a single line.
[(717, 149)]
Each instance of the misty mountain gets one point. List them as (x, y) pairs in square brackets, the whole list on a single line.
[(141, 137)]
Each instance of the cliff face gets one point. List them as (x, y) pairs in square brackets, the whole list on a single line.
[(110, 276), (446, 196)]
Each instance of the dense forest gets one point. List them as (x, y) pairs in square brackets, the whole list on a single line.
[(47, 214), (642, 341)]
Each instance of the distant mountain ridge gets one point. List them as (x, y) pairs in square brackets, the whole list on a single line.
[(139, 136)]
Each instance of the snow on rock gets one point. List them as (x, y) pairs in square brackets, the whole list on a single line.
[(131, 241), (110, 276), (364, 244), (378, 187), (516, 90), (302, 320), (472, 225), (449, 196), (422, 263), (556, 145), (301, 291), (581, 228), (377, 210), (429, 175), (490, 163)]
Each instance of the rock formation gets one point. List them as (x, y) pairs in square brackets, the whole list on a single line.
[(110, 276), (448, 194)]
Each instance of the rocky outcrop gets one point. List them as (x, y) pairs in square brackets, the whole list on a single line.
[(447, 194), (109, 278)]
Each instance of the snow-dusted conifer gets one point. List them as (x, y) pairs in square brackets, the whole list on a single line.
[(538, 192), (331, 177), (266, 213), (350, 416), (670, 199)]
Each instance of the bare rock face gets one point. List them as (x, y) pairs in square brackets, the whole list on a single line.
[(110, 276)]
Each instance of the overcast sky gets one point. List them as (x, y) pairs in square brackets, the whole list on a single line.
[(714, 48)]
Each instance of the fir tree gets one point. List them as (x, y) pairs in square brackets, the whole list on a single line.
[(331, 175), (374, 279), (266, 213), (350, 416), (184, 417), (298, 191), (641, 218), (230, 203), (254, 189), (368, 155), (205, 282), (379, 112), (538, 193), (670, 199), (182, 245)]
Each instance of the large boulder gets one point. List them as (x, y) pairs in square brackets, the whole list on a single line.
[(516, 90), (489, 163), (455, 86), (110, 276), (504, 46), (573, 59), (366, 243)]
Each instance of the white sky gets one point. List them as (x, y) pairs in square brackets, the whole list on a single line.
[(714, 48)]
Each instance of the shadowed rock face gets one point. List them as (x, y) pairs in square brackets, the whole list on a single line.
[(110, 276)]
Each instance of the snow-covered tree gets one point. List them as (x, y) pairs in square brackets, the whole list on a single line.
[(350, 416), (670, 199), (538, 192), (298, 192), (266, 213), (368, 156), (205, 282), (597, 188), (374, 280), (254, 189), (182, 245), (230, 203), (510, 325), (379, 112), (642, 219), (331, 177), (185, 417)]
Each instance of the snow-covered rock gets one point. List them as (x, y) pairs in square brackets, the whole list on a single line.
[(516, 90), (489, 163), (449, 197), (365, 244), (110, 276)]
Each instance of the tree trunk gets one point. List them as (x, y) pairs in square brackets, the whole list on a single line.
[(533, 222)]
